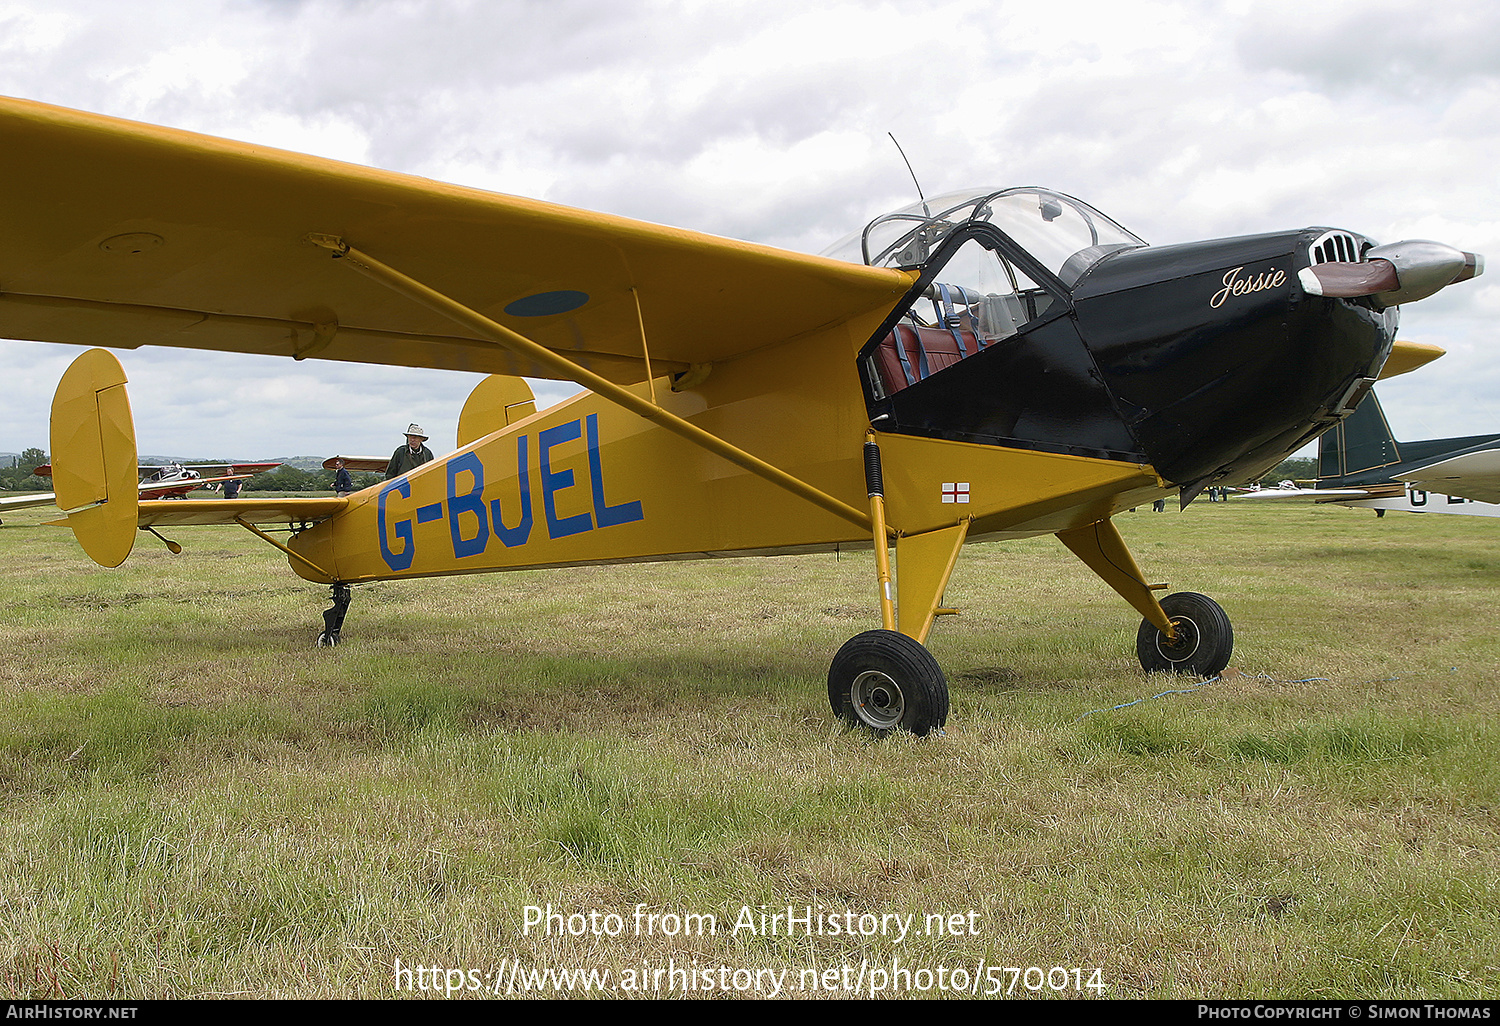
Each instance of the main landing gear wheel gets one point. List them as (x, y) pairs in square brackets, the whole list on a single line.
[(1204, 643), (886, 681)]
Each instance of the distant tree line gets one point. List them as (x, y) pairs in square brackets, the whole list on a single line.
[(1298, 468), (18, 476), (290, 479)]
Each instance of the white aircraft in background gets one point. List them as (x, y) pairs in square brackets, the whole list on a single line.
[(171, 481), (1362, 465)]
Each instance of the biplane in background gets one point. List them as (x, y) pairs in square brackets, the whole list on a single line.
[(1360, 464), (175, 480), (171, 481), (1000, 363)]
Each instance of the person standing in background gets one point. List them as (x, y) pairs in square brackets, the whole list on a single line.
[(411, 455)]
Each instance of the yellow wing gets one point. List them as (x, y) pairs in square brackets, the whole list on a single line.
[(120, 234)]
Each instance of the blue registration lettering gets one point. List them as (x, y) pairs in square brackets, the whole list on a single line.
[(401, 528), (471, 501), (513, 536), (554, 481), (606, 516), (470, 538)]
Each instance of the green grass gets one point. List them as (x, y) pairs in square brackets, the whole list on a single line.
[(195, 802)]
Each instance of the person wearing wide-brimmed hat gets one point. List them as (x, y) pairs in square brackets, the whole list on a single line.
[(411, 455)]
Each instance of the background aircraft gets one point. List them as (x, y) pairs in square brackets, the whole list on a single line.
[(1361, 465), (177, 481), (1437, 475), (369, 464), (173, 481), (990, 364)]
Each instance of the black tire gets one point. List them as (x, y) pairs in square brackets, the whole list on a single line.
[(1205, 638), (885, 681)]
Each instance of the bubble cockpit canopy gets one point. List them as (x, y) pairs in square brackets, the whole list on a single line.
[(1065, 235)]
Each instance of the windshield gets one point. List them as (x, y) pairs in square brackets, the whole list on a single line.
[(1067, 236)]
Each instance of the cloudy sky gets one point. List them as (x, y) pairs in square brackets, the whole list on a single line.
[(767, 121)]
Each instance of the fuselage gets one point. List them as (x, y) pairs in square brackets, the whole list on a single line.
[(1028, 383)]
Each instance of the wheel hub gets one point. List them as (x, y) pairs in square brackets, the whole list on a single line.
[(877, 700), (1185, 644)]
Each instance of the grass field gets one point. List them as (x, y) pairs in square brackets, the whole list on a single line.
[(195, 802)]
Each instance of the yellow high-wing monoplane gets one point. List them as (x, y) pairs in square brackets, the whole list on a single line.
[(993, 364)]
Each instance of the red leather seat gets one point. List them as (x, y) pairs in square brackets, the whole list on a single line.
[(927, 351)]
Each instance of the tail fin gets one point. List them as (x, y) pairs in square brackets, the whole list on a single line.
[(1360, 442), (496, 402), (94, 458)]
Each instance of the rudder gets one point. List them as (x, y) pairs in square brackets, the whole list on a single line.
[(94, 457)]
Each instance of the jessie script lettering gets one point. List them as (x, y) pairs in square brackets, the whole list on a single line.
[(1234, 285)]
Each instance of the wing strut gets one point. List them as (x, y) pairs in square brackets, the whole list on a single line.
[(567, 369), (294, 555), (1103, 551)]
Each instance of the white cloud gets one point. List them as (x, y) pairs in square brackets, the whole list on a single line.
[(768, 121)]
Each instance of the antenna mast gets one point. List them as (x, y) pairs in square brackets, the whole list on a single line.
[(912, 173)]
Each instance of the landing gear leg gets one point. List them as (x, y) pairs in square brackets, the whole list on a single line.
[(1183, 633), (333, 616), (886, 680)]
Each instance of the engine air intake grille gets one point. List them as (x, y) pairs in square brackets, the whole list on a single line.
[(1335, 247)]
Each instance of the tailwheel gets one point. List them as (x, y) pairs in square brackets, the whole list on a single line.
[(333, 616), (1204, 641), (885, 681)]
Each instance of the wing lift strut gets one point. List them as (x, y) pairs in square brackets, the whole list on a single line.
[(872, 522), (567, 369)]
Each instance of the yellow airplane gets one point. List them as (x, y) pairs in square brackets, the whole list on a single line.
[(999, 363)]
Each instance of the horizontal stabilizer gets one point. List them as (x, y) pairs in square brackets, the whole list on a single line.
[(1472, 475), (207, 512)]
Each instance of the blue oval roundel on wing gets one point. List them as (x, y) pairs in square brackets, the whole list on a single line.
[(544, 304)]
